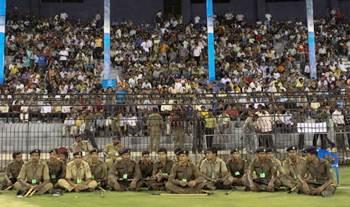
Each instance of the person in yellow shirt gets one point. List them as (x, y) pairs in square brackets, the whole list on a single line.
[(98, 48), (13, 70), (98, 42), (203, 112)]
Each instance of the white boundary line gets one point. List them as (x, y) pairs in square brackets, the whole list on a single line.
[(344, 187)]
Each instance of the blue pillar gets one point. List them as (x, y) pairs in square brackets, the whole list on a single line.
[(311, 38), (211, 48), (2, 40), (107, 79)]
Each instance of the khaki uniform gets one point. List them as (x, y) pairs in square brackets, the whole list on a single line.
[(99, 172), (146, 169), (281, 177), (115, 126), (293, 171), (160, 174), (181, 175), (57, 170), (11, 173), (34, 174), (260, 173), (83, 146), (317, 175), (154, 126), (278, 165), (216, 174), (124, 175), (78, 175), (178, 125), (237, 169), (112, 152)]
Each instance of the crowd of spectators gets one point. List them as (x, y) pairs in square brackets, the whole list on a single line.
[(54, 66)]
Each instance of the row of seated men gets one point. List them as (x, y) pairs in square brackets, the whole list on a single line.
[(308, 175)]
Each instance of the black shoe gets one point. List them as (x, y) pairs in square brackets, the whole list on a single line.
[(20, 194), (56, 192)]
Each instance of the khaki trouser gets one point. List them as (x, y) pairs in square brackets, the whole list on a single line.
[(184, 190), (330, 190), (179, 137), (260, 186), (42, 190), (242, 181), (155, 185), (222, 183), (154, 139), (285, 180), (63, 183), (119, 185)]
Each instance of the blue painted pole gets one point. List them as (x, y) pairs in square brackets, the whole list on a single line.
[(2, 40), (107, 79), (211, 47), (311, 38)]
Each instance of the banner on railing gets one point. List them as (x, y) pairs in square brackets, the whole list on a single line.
[(312, 127)]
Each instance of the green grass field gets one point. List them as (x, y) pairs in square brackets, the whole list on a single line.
[(145, 199)]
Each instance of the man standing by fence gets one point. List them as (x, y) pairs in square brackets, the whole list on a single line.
[(264, 128), (249, 138), (154, 126), (323, 116), (178, 126)]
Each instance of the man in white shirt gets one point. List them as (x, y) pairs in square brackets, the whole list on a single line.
[(339, 125), (264, 127), (225, 80), (4, 108), (197, 51), (63, 55), (146, 85), (63, 16), (132, 124), (46, 109), (24, 116), (147, 45)]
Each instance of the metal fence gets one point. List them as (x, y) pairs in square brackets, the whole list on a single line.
[(190, 121)]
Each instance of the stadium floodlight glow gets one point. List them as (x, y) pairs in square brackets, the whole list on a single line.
[(311, 38), (2, 40), (211, 46)]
